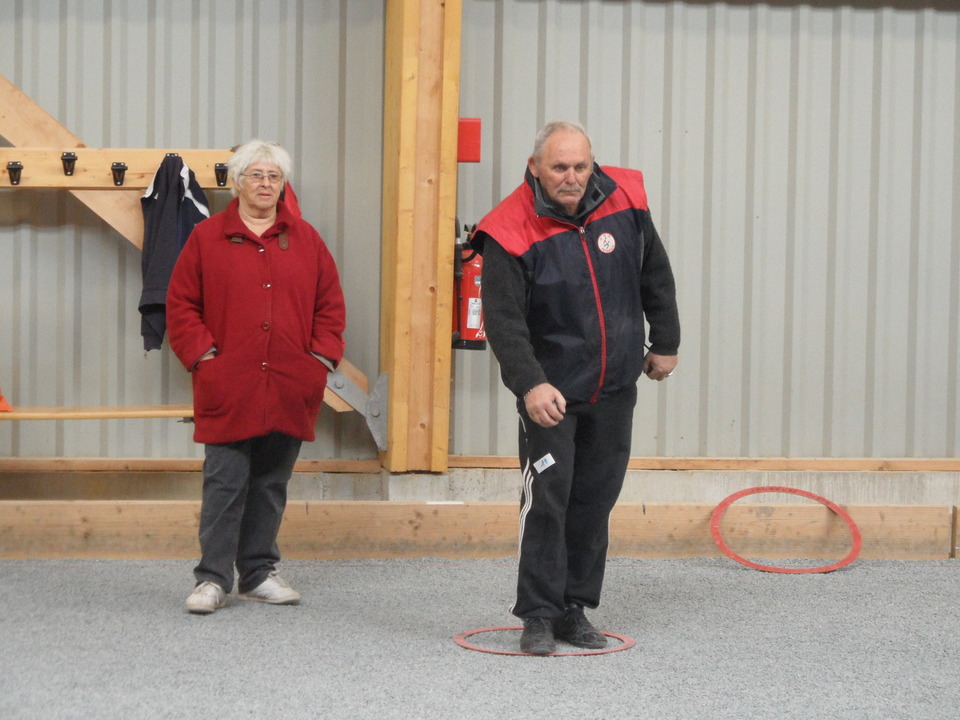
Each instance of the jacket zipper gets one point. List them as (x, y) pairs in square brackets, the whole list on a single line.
[(603, 325)]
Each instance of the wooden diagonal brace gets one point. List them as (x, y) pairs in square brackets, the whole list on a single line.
[(23, 123)]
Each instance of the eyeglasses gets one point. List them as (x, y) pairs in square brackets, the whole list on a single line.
[(259, 177)]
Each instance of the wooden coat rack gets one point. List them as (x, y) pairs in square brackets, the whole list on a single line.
[(104, 169), (110, 181)]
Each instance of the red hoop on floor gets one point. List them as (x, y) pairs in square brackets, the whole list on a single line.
[(461, 640), (722, 508)]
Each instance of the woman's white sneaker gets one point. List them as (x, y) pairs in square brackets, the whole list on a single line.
[(273, 590), (205, 598)]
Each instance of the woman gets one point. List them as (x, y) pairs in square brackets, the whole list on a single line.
[(255, 312)]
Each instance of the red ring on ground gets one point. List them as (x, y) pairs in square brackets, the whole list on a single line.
[(461, 640), (843, 562)]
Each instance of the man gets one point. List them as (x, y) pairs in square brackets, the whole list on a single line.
[(572, 265)]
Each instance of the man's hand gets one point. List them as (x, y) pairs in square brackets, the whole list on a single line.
[(657, 367), (545, 405)]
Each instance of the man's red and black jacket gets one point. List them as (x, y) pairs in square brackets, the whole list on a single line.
[(565, 297)]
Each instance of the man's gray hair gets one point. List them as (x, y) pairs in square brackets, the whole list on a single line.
[(555, 126), (257, 151)]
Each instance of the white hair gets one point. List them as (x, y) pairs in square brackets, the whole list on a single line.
[(556, 126), (257, 151)]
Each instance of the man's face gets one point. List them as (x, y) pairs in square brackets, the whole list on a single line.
[(564, 168)]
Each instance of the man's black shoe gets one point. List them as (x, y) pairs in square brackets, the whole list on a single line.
[(537, 637), (575, 629)]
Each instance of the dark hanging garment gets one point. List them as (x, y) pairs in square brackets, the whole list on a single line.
[(172, 205)]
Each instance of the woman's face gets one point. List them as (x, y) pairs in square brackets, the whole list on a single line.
[(259, 194)]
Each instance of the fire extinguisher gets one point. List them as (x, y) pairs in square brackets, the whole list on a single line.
[(468, 332)]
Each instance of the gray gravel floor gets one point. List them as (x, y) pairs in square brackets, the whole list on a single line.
[(374, 639)]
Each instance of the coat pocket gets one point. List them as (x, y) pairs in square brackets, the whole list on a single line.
[(214, 387), (314, 375)]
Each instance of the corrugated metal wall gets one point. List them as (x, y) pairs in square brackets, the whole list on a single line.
[(801, 161), (803, 167), (177, 73)]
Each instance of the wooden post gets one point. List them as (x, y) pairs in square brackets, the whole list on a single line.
[(421, 96)]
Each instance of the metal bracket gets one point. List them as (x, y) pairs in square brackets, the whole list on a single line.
[(119, 169), (14, 168), (372, 406), (69, 161)]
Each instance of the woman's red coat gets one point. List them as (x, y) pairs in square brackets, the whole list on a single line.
[(265, 309)]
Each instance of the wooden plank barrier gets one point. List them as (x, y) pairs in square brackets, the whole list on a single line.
[(901, 532), (341, 530), (165, 465), (756, 464), (719, 464)]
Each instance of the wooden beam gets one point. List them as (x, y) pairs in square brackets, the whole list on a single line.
[(114, 412), (109, 412), (165, 465), (421, 95), (722, 464), (781, 531), (340, 530), (43, 167), (98, 412), (353, 373), (159, 464)]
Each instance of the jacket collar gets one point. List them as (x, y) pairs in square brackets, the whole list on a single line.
[(599, 188), (234, 226)]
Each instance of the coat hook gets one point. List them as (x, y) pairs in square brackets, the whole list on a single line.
[(220, 170), (69, 160), (118, 169), (13, 168)]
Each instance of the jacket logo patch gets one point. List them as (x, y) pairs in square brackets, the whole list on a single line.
[(606, 243)]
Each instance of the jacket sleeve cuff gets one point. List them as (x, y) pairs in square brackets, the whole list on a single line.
[(325, 361), (212, 350), (663, 350)]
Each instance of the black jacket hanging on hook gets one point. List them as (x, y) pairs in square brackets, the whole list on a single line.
[(172, 205)]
